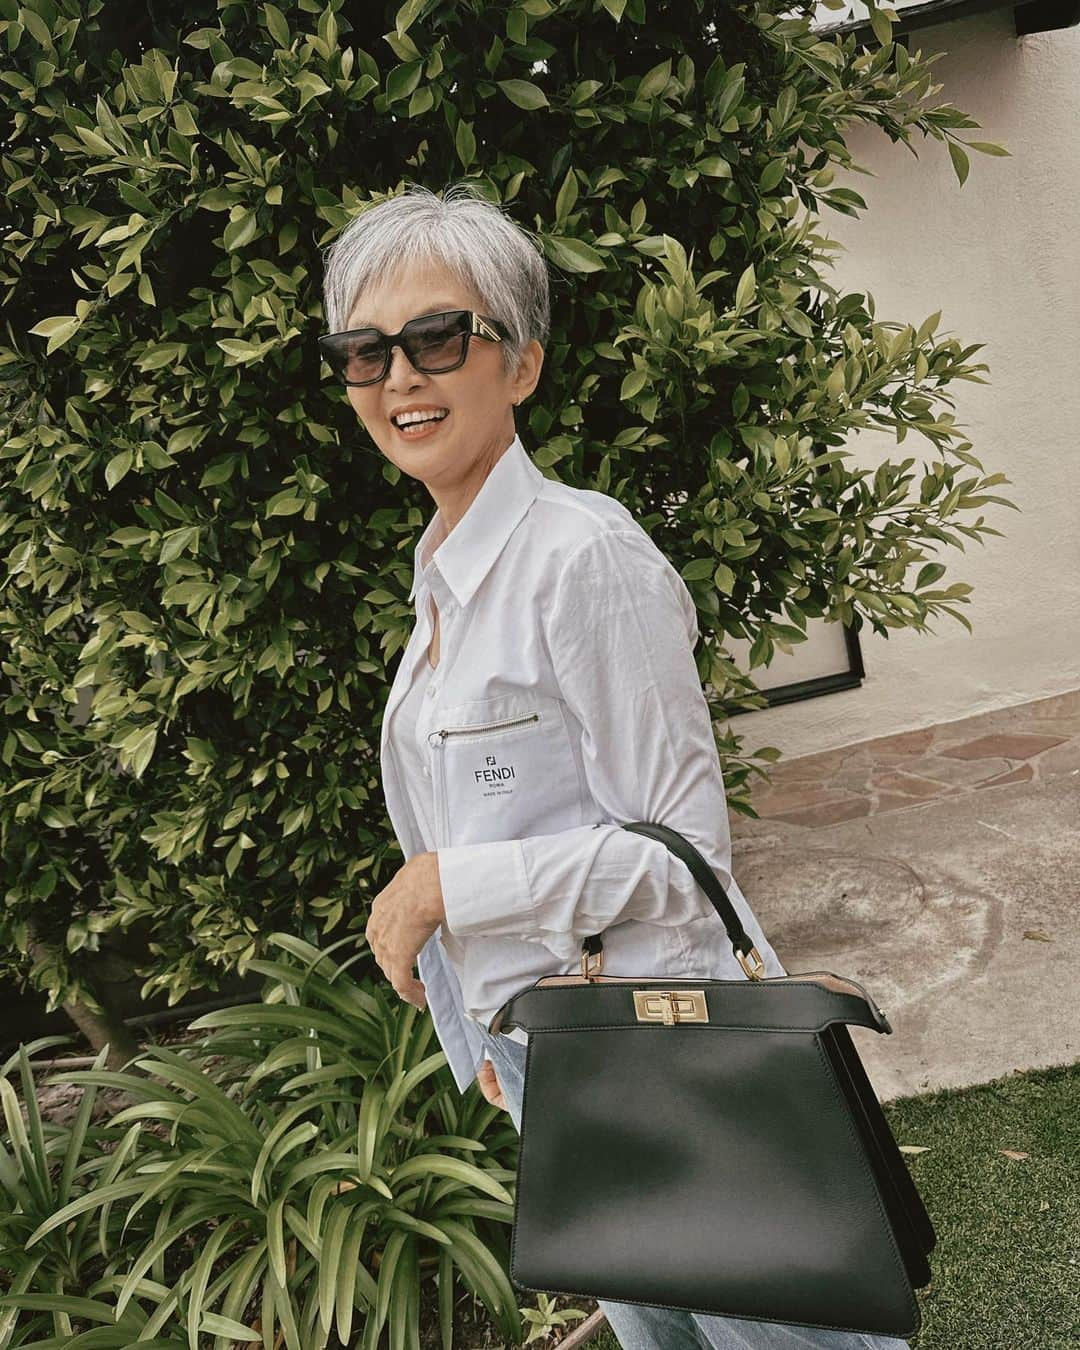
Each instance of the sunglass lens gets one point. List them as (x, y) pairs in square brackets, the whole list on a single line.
[(360, 356), (438, 342)]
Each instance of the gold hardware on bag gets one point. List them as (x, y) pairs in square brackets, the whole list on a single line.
[(670, 1005), (586, 969), (756, 967)]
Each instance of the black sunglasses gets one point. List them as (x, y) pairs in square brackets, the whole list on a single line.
[(434, 344)]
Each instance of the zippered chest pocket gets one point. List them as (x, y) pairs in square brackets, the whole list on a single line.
[(503, 769)]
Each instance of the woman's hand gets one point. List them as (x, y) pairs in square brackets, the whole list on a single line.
[(489, 1084), (404, 914)]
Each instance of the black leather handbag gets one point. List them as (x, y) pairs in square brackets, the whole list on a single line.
[(712, 1145)]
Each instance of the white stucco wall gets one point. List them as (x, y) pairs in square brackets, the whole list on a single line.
[(1000, 257)]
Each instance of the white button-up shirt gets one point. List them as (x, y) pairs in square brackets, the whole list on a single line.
[(566, 702)]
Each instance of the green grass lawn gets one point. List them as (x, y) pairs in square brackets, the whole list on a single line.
[(1007, 1259)]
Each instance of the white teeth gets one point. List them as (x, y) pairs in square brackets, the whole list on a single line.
[(409, 419)]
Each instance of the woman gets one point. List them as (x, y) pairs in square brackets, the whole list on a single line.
[(548, 692)]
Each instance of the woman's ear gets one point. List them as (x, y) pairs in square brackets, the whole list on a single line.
[(528, 372)]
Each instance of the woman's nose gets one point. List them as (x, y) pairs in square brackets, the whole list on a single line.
[(402, 373)]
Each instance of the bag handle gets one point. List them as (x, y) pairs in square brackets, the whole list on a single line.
[(747, 955)]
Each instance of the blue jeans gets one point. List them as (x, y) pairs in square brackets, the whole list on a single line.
[(639, 1326)]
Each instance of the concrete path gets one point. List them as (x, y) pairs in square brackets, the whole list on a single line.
[(940, 869)]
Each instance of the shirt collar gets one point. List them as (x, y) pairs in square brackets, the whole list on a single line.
[(466, 554)]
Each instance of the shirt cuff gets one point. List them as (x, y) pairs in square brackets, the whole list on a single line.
[(485, 890)]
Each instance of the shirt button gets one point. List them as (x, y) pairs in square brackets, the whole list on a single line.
[(430, 691), (427, 772)]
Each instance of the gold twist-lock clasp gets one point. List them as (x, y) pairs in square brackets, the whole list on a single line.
[(670, 1005)]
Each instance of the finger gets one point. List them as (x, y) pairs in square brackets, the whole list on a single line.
[(371, 937), (411, 990), (491, 1078), (492, 1093), (400, 974)]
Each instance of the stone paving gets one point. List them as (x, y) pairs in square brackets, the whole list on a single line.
[(941, 869), (1032, 742)]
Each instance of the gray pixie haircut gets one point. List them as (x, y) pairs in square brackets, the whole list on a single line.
[(479, 244)]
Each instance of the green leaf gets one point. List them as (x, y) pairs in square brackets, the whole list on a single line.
[(312, 86), (57, 330), (435, 1164), (653, 82), (95, 143), (408, 14), (240, 350), (94, 1199), (402, 80), (465, 143), (422, 101), (369, 1126), (143, 751), (960, 161), (484, 1271), (929, 574), (240, 230), (745, 290), (57, 818), (523, 94), (728, 97), (880, 23), (185, 437), (48, 327), (117, 467), (277, 25), (214, 1324), (161, 354), (698, 569), (573, 254), (772, 173), (37, 27), (201, 1270), (130, 534), (724, 578), (275, 1238), (177, 542), (988, 148), (353, 1278), (285, 504), (567, 196), (392, 1215), (333, 1241), (220, 471), (391, 1254)]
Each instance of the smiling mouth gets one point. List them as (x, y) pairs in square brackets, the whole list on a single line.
[(426, 421)]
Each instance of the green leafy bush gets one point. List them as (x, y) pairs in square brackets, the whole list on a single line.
[(307, 1167), (204, 567)]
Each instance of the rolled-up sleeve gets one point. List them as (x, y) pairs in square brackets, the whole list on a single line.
[(621, 632)]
